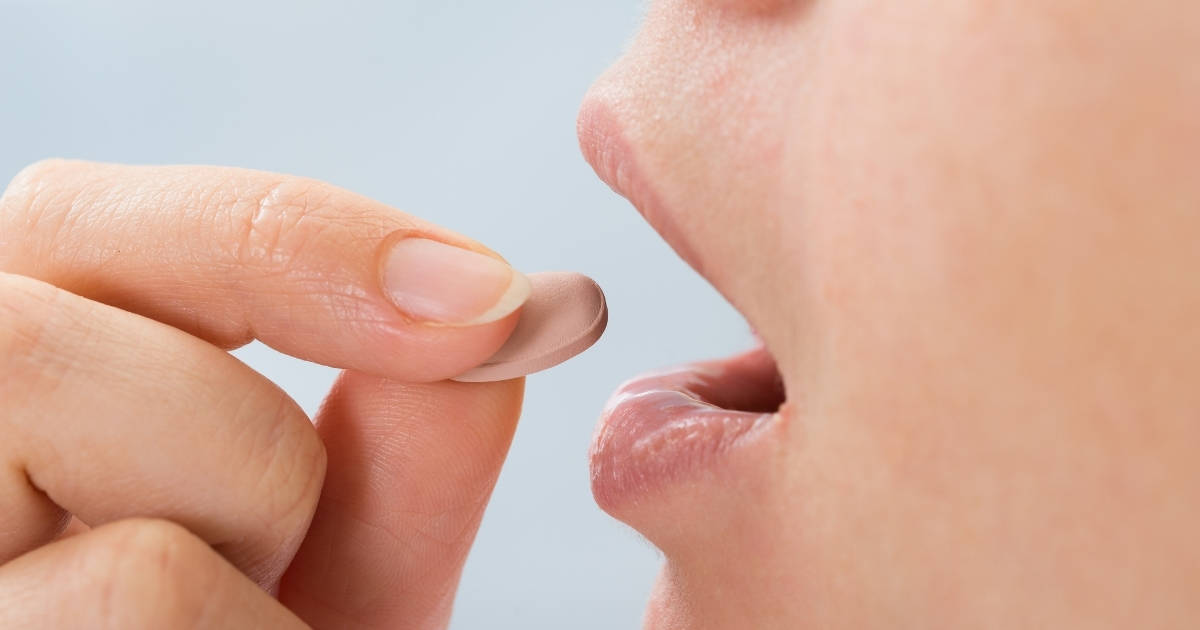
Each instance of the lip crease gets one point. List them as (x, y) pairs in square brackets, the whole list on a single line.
[(604, 145), (665, 427)]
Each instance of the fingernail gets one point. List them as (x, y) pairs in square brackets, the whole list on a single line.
[(438, 283)]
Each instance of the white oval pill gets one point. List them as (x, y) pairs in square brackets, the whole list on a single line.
[(564, 315)]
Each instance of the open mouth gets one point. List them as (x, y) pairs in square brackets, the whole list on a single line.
[(668, 426)]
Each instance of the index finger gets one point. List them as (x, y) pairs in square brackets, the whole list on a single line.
[(232, 255)]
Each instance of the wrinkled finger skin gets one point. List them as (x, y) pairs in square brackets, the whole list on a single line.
[(119, 288), (108, 415), (231, 255)]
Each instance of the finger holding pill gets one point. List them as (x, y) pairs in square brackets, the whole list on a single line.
[(565, 314)]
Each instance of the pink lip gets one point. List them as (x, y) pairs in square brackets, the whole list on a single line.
[(604, 145), (666, 426)]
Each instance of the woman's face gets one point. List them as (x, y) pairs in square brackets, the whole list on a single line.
[(969, 235)]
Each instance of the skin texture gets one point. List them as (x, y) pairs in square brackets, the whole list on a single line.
[(150, 480), (966, 233), (985, 216)]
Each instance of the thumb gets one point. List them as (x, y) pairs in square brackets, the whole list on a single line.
[(411, 468)]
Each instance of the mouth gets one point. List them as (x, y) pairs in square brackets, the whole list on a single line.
[(673, 426), (666, 427)]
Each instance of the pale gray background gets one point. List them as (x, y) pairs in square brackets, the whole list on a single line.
[(462, 112)]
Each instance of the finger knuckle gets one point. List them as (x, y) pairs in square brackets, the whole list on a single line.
[(149, 573), (297, 465), (283, 444), (275, 223)]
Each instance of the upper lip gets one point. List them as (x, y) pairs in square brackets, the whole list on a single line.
[(604, 145), (605, 148)]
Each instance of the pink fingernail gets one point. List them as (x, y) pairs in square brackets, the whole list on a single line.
[(438, 283)]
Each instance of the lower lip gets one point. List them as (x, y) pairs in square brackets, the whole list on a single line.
[(667, 427)]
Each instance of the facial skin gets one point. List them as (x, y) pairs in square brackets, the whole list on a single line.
[(969, 234)]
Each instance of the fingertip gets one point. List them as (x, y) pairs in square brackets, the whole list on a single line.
[(417, 353)]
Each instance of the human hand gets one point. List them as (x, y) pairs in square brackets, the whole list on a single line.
[(214, 500)]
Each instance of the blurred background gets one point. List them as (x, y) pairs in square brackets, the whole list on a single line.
[(459, 111)]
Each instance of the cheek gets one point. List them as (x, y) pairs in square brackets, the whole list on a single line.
[(983, 279), (964, 165)]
